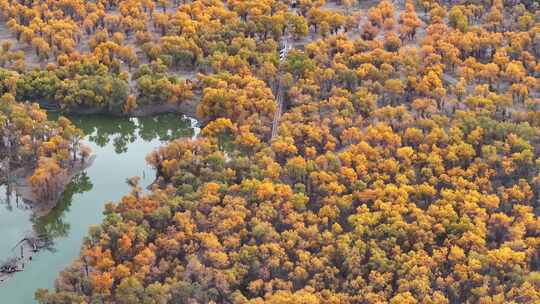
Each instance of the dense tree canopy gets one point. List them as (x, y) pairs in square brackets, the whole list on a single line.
[(405, 167)]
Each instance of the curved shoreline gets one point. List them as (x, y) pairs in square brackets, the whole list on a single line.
[(187, 108), (30, 243), (31, 207)]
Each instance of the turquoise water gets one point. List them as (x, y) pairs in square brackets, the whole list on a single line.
[(120, 146)]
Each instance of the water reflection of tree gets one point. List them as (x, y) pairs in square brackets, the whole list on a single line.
[(165, 127), (53, 225), (102, 129), (9, 196), (122, 131)]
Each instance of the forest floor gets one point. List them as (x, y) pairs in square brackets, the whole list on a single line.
[(31, 59), (83, 47)]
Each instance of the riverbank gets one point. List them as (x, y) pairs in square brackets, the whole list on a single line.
[(32, 243), (40, 207), (187, 108), (120, 145)]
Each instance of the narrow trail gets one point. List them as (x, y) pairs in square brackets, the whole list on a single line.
[(279, 110), (288, 43), (280, 94)]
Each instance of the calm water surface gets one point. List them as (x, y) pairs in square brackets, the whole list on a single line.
[(120, 146)]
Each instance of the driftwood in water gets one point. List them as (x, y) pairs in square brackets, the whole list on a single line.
[(36, 243), (32, 244), (10, 266)]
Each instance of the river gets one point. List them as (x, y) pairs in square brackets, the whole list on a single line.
[(120, 146)]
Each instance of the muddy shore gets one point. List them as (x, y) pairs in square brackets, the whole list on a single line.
[(188, 108)]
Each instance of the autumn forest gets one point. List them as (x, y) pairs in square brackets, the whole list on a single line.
[(350, 151)]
